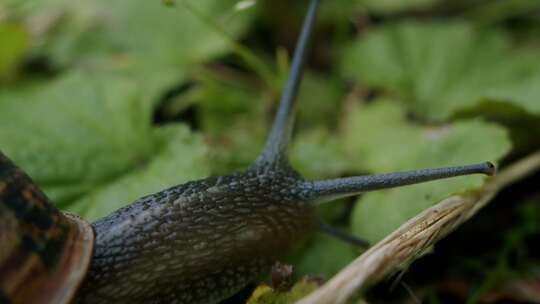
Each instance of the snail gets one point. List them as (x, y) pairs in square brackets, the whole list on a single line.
[(199, 242)]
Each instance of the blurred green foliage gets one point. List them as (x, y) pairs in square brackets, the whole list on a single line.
[(14, 41), (441, 68), (88, 139), (103, 102), (379, 132)]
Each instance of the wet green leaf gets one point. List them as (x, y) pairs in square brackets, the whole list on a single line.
[(441, 68), (84, 133), (382, 140)]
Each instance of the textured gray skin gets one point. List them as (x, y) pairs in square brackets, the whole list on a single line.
[(199, 242)]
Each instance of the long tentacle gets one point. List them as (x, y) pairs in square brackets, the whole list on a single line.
[(325, 190), (276, 147)]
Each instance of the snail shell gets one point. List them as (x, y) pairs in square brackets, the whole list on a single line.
[(44, 253)]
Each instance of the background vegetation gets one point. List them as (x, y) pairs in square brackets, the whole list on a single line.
[(102, 102)]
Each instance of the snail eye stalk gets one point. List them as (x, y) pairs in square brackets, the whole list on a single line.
[(325, 190), (275, 151)]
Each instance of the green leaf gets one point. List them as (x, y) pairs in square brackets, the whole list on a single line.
[(441, 68), (14, 40), (140, 32), (523, 127), (85, 131), (316, 154), (324, 257), (382, 140)]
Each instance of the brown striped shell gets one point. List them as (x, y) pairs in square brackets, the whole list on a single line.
[(44, 253)]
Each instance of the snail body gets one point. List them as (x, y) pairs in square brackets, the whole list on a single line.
[(199, 242), (211, 237)]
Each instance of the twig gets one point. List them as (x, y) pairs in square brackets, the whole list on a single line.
[(415, 236)]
